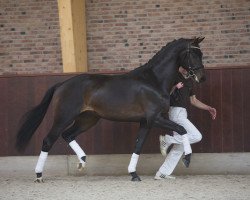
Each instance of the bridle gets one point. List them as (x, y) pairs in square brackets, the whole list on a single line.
[(191, 71)]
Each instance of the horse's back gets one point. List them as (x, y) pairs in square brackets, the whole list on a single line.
[(123, 98), (114, 97)]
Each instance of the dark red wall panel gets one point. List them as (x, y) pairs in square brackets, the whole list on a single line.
[(228, 90)]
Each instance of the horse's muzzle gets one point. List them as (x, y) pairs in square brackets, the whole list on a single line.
[(199, 76)]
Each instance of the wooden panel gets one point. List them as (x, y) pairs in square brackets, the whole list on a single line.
[(16, 104), (225, 89), (80, 37), (66, 34), (4, 132), (237, 111), (246, 108), (206, 121), (73, 35), (226, 115), (215, 101)]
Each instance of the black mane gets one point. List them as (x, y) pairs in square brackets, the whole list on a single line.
[(158, 56)]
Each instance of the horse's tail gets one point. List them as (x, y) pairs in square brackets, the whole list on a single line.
[(32, 119)]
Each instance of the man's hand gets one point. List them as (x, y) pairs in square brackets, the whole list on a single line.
[(212, 112), (179, 85)]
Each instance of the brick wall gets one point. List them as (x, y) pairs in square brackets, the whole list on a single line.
[(123, 35), (30, 37)]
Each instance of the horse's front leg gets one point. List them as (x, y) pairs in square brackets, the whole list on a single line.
[(142, 134)]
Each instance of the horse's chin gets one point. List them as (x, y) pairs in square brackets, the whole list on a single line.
[(199, 76), (198, 80)]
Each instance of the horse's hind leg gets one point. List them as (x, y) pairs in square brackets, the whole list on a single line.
[(48, 142), (62, 119), (68, 102), (82, 123)]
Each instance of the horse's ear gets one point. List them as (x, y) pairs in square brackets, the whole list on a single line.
[(200, 39), (197, 40)]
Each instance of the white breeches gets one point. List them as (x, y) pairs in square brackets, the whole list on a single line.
[(178, 115)]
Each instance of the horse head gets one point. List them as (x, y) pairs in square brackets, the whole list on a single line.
[(191, 60)]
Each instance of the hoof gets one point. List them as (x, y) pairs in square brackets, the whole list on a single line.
[(186, 160), (80, 166), (39, 180), (135, 177)]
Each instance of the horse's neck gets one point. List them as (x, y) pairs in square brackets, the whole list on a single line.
[(161, 74), (166, 70), (165, 74)]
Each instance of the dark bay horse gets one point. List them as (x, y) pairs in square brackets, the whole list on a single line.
[(141, 95)]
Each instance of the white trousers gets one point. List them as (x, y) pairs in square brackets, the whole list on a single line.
[(178, 115)]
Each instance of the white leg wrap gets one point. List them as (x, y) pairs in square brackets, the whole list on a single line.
[(186, 144), (41, 161), (78, 150), (133, 163)]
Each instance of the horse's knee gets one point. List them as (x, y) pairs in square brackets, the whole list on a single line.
[(138, 146), (48, 143), (67, 137)]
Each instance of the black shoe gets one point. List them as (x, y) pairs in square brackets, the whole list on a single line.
[(186, 160)]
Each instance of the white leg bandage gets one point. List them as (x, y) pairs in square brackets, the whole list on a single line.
[(78, 150), (186, 144), (41, 161), (133, 163)]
